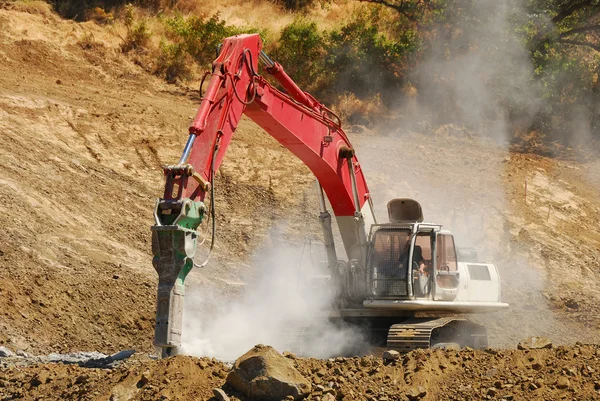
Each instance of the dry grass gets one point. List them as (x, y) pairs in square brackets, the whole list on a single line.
[(38, 7), (268, 16), (353, 110)]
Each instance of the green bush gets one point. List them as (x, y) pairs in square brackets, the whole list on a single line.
[(301, 50), (354, 59), (138, 35), (192, 39), (364, 62), (173, 63), (198, 37)]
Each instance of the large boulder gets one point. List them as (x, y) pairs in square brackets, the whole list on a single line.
[(263, 373)]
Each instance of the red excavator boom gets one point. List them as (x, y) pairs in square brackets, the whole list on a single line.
[(298, 121)]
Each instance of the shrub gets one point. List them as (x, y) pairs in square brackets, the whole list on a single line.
[(100, 16), (301, 50), (138, 35), (87, 41), (197, 36), (295, 4), (137, 38), (192, 39), (365, 62), (173, 63), (363, 111)]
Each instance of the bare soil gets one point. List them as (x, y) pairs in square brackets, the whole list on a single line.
[(85, 130), (551, 374)]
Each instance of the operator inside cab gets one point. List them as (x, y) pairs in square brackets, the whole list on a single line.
[(422, 264), (421, 273)]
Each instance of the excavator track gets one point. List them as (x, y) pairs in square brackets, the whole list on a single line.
[(428, 332)]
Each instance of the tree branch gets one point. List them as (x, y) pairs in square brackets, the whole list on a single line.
[(580, 43), (581, 29), (407, 8), (571, 9)]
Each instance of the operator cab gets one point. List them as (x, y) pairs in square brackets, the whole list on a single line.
[(406, 254)]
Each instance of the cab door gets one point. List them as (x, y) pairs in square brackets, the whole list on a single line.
[(446, 272), (422, 263)]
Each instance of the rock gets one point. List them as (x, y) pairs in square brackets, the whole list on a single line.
[(263, 373), (6, 353), (572, 304), (570, 372), (328, 397), (416, 393), (391, 355), (535, 343), (328, 390), (91, 359), (563, 383), (539, 382), (22, 353), (220, 394)]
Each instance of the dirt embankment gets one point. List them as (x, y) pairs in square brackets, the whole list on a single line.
[(84, 134), (551, 374)]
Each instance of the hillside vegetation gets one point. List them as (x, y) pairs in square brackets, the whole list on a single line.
[(525, 71)]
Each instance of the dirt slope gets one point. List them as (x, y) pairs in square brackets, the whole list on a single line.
[(84, 133)]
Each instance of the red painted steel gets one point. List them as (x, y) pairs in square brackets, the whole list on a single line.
[(302, 124)]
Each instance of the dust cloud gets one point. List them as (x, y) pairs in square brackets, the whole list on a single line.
[(279, 305), (450, 151), (475, 73)]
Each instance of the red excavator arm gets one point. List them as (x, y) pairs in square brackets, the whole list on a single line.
[(297, 120)]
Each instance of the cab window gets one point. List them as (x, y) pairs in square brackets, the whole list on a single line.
[(423, 241), (446, 253)]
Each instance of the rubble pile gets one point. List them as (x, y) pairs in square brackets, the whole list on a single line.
[(565, 372)]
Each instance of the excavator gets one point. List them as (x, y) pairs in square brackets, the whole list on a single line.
[(404, 278)]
